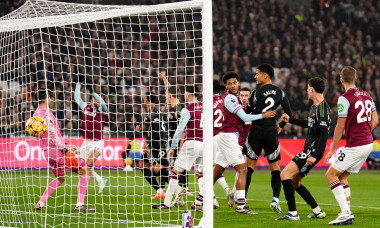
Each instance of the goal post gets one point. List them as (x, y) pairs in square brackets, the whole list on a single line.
[(78, 51)]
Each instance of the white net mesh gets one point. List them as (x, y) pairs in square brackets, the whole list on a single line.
[(118, 53)]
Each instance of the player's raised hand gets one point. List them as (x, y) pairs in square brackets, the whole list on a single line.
[(285, 118), (269, 114), (163, 77)]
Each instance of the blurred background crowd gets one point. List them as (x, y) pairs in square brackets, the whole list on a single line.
[(122, 59)]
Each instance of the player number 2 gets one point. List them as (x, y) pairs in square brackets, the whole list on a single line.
[(218, 113), (363, 108), (271, 103)]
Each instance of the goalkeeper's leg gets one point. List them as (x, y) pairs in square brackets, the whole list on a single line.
[(50, 189), (58, 169)]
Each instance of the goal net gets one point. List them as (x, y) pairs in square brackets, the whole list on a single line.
[(109, 74)]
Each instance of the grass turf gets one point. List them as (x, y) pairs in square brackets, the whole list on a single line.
[(126, 202)]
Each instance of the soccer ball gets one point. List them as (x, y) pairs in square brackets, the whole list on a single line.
[(129, 161), (36, 126)]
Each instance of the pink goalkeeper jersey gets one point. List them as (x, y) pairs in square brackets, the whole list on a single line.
[(51, 141)]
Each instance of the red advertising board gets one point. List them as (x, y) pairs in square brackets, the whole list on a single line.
[(26, 152)]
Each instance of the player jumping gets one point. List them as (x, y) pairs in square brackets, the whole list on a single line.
[(93, 120), (229, 152), (56, 152), (357, 116), (318, 123)]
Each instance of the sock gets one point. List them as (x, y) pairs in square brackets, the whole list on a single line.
[(240, 194), (199, 199), (340, 197), (172, 188), (82, 189), (276, 183), (248, 180), (201, 182), (234, 188), (164, 176), (97, 177), (347, 192), (222, 182), (289, 195), (50, 189), (305, 194), (316, 210), (183, 179), (148, 176)]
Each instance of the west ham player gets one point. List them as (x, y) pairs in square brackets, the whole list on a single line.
[(56, 152), (229, 152), (218, 121), (93, 120), (263, 134), (154, 158), (318, 123), (357, 116), (191, 151)]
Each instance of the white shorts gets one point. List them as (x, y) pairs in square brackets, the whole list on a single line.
[(191, 151), (229, 152), (90, 145), (351, 159)]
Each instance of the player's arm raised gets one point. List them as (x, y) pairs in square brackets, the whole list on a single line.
[(103, 107), (163, 77), (78, 98)]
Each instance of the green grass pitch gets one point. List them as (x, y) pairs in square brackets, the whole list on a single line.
[(126, 202)]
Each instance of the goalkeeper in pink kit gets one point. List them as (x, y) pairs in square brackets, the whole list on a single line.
[(59, 157)]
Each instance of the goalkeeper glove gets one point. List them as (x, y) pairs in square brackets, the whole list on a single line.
[(71, 160)]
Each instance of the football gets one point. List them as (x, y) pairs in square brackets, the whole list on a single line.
[(36, 126), (129, 161)]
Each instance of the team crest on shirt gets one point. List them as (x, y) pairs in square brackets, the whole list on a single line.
[(340, 108), (232, 100)]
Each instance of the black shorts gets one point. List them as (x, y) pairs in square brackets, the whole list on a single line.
[(300, 160), (157, 154), (259, 139)]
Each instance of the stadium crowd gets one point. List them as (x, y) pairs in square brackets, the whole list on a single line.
[(319, 40)]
